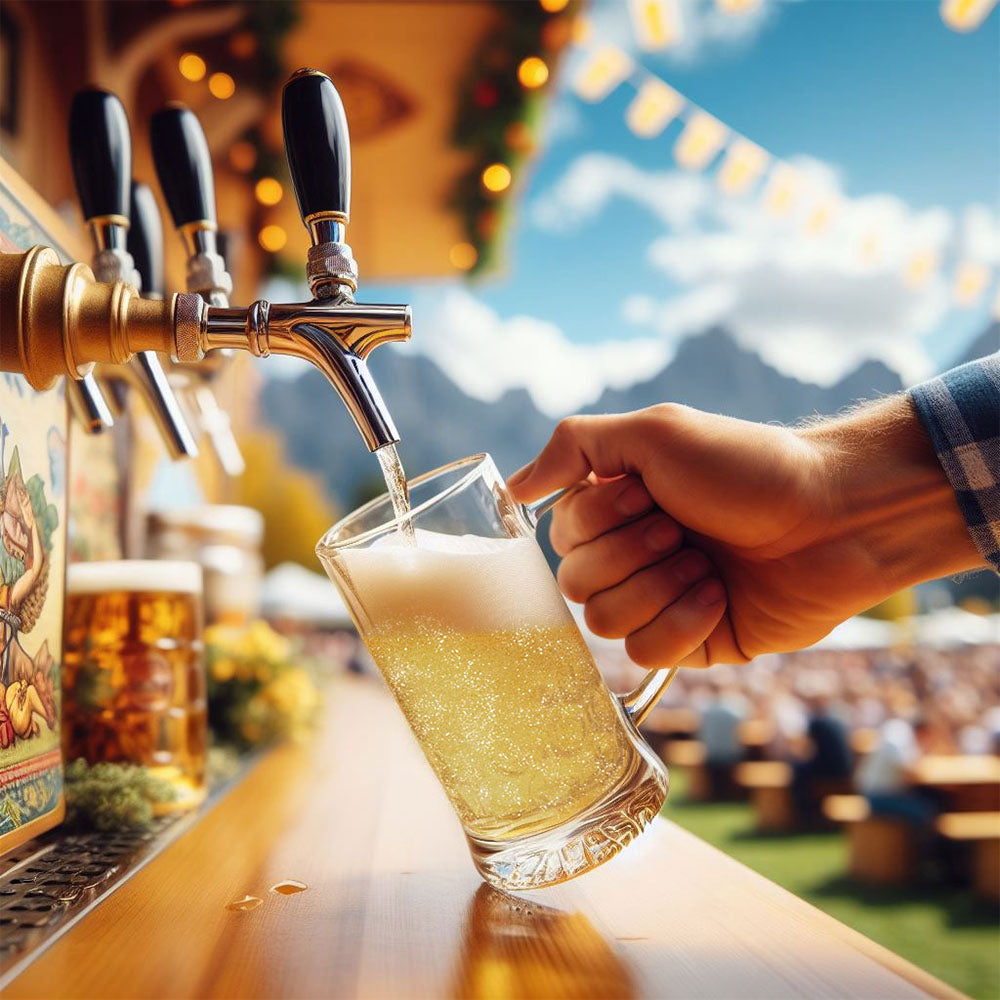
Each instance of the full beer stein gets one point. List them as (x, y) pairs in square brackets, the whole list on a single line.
[(134, 676), (542, 763)]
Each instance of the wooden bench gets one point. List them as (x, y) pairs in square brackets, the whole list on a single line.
[(690, 755), (756, 735), (982, 830), (882, 850), (770, 785)]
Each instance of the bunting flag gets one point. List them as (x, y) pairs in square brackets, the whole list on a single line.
[(821, 214), (737, 6), (657, 23), (920, 268), (971, 279), (702, 138), (743, 166), (782, 191), (965, 15), (602, 72), (785, 193), (654, 107)]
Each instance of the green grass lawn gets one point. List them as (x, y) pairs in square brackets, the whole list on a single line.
[(947, 932)]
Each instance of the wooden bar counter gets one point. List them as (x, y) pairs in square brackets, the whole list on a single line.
[(395, 909)]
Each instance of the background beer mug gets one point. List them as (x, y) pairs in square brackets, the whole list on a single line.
[(543, 765), (134, 675)]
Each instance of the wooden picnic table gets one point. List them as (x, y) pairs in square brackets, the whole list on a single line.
[(395, 909), (967, 783)]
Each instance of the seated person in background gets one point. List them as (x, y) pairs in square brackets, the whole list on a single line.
[(884, 775), (719, 732), (828, 764)]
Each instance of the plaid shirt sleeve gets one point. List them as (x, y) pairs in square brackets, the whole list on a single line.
[(961, 413)]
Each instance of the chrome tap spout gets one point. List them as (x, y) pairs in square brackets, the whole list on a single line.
[(336, 339)]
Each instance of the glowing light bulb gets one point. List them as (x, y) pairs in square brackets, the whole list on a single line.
[(272, 238), (463, 256), (496, 177), (222, 86), (552, 6), (192, 67), (268, 191), (532, 72)]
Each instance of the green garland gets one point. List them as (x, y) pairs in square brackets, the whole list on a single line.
[(111, 797), (495, 105)]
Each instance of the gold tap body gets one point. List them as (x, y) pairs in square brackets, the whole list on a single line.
[(57, 320)]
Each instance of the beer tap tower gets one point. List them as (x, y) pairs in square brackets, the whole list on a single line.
[(101, 153), (64, 320)]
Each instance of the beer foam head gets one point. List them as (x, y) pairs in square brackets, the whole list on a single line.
[(137, 575), (461, 581)]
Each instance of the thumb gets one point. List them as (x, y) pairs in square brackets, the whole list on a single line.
[(608, 446)]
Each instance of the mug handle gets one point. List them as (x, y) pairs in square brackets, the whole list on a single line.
[(639, 702)]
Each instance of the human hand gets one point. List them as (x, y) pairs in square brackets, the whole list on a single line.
[(701, 539)]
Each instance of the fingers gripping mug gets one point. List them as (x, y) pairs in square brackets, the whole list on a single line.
[(542, 763)]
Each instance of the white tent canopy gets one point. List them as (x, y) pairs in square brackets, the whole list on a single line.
[(860, 633), (291, 591), (949, 627)]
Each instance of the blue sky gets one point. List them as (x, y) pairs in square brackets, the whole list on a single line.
[(881, 100)]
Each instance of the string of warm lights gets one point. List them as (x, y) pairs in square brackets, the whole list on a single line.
[(743, 165), (268, 191)]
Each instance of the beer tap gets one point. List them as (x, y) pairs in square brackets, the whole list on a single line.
[(88, 404), (101, 153), (63, 319), (184, 168), (145, 243)]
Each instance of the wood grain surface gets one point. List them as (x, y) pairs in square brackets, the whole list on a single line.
[(395, 909)]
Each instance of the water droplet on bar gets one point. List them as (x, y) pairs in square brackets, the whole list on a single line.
[(244, 904), (289, 886)]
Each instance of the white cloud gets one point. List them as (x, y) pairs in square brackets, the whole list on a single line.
[(594, 179), (486, 354), (812, 304)]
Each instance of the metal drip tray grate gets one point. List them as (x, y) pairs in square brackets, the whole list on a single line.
[(48, 883)]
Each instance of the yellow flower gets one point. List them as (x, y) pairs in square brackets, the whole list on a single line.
[(224, 669), (267, 643)]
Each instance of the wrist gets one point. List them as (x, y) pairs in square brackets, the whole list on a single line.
[(889, 494)]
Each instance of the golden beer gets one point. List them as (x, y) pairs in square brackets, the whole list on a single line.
[(134, 679), (464, 620), (494, 679)]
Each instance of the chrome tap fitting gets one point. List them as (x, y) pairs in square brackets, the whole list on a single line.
[(101, 154)]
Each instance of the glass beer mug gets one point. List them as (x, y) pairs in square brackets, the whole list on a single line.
[(542, 763)]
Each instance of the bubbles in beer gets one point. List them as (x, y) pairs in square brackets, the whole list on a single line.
[(496, 682)]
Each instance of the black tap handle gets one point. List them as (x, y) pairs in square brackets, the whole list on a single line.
[(145, 240), (100, 147), (317, 144), (183, 165)]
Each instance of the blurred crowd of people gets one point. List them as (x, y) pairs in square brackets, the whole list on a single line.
[(951, 696), (858, 717)]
